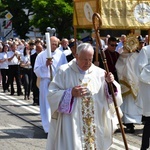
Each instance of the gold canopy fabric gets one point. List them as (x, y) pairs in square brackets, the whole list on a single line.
[(115, 14)]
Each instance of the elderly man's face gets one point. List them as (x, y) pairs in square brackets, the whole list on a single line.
[(54, 44), (84, 60)]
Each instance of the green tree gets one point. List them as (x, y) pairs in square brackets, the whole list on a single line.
[(21, 10), (55, 14), (45, 13)]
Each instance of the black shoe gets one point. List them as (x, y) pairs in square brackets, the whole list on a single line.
[(35, 104), (143, 149), (129, 130), (11, 93), (20, 93)]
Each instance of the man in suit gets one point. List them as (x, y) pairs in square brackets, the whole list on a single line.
[(73, 50), (35, 89)]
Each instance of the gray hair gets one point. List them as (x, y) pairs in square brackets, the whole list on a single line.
[(84, 47)]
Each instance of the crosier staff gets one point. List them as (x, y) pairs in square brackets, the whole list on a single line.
[(97, 22)]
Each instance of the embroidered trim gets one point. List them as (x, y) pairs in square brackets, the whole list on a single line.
[(66, 105), (109, 96), (88, 124), (130, 89)]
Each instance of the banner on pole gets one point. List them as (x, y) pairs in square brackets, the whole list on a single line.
[(115, 14), (83, 12)]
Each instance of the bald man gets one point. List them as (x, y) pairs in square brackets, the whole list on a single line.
[(42, 71), (64, 47)]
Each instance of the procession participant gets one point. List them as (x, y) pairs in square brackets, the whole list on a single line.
[(131, 107), (146, 40), (80, 105), (73, 51), (1, 47), (14, 68), (64, 47), (35, 89), (121, 43), (4, 67), (141, 43), (142, 70), (25, 63), (42, 71), (111, 56), (32, 46)]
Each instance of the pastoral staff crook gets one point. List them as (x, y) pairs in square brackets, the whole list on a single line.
[(97, 22)]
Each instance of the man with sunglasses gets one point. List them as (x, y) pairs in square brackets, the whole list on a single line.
[(111, 56)]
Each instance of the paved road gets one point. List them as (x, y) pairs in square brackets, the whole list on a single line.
[(20, 127)]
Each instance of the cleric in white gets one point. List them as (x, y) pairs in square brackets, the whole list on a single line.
[(83, 116)]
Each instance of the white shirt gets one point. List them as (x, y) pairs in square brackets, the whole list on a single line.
[(25, 60), (3, 65), (33, 51), (120, 45), (15, 60)]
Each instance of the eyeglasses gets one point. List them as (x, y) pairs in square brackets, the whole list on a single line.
[(113, 45)]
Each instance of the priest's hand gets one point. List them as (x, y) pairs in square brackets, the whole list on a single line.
[(49, 62), (79, 91), (109, 77)]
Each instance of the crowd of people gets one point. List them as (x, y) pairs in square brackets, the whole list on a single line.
[(72, 89)]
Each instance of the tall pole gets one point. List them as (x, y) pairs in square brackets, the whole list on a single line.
[(97, 22), (49, 57)]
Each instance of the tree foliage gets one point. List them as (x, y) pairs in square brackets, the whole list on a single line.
[(45, 13), (21, 10), (55, 14)]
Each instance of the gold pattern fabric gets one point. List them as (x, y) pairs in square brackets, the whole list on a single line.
[(115, 14), (128, 89), (88, 123), (88, 116)]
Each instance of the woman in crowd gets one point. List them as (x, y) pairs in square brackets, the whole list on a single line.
[(27, 72), (4, 67)]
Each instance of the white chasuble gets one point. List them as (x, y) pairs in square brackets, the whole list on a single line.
[(90, 124)]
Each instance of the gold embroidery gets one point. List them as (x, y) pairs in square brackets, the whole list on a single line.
[(88, 123), (88, 117), (128, 88)]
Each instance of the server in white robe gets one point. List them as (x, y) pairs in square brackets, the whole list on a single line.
[(83, 116), (142, 69), (42, 71), (131, 107)]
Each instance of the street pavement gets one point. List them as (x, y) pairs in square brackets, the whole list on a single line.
[(20, 127)]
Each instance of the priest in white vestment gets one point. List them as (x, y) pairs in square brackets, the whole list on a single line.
[(142, 69), (83, 114)]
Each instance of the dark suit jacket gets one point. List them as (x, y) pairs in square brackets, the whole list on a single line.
[(34, 77), (69, 57)]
